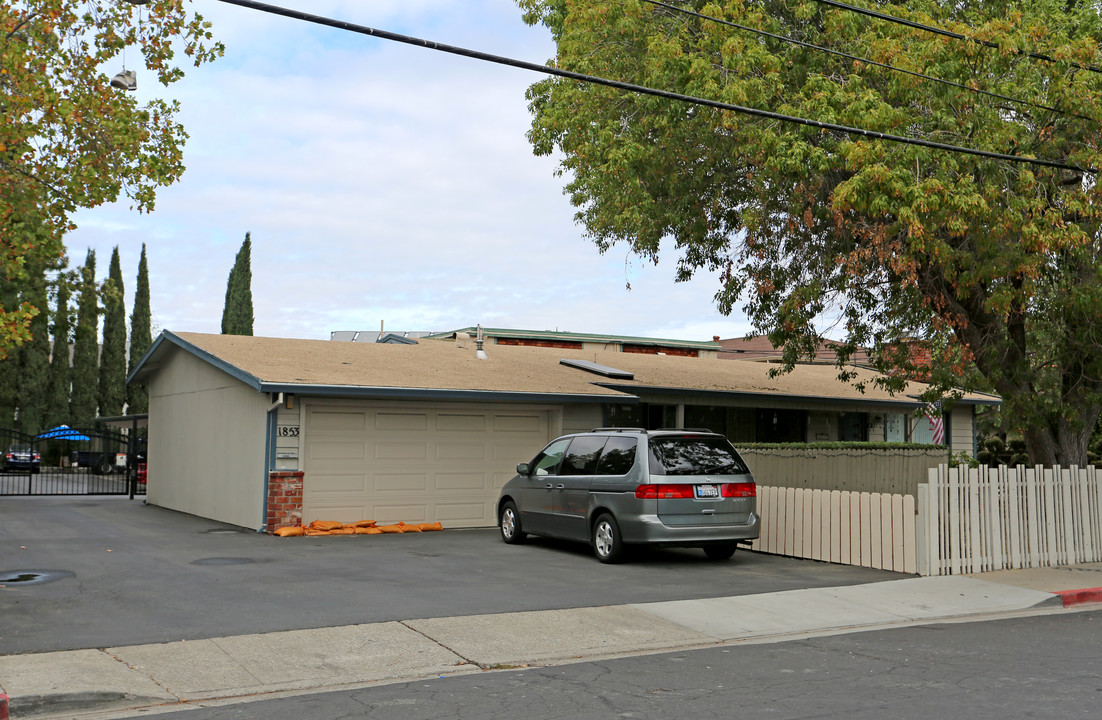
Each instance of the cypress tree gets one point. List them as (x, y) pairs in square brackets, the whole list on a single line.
[(112, 361), (34, 356), (237, 314), (141, 337), (82, 405), (57, 410), (9, 365)]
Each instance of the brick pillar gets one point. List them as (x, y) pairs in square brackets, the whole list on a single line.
[(284, 499)]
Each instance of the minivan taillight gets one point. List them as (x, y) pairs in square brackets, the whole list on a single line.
[(742, 489), (664, 492)]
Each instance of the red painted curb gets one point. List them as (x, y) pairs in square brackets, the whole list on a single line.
[(1070, 597), (3, 707)]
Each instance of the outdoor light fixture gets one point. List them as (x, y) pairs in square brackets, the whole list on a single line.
[(125, 80)]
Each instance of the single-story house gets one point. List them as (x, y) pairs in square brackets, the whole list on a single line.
[(264, 432)]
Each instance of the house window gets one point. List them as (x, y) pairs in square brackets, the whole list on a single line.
[(781, 426), (853, 427), (706, 416)]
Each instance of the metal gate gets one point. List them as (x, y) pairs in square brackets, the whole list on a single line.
[(71, 461)]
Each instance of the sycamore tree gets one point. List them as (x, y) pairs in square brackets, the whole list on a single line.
[(996, 262), (68, 138)]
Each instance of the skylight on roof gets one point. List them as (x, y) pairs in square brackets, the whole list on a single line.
[(598, 369)]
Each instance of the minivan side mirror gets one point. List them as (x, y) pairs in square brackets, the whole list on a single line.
[(522, 468)]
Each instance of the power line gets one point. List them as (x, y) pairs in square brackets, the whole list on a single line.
[(858, 58), (642, 90), (949, 33)]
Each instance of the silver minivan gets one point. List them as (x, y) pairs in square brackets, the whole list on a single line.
[(614, 487)]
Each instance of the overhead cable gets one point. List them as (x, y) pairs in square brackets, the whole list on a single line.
[(642, 90), (858, 58), (951, 34)]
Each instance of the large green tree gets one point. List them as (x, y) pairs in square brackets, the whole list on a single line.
[(112, 359), (68, 138), (807, 226), (84, 376), (237, 313), (141, 337)]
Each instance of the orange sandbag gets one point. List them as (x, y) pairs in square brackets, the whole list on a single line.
[(428, 527), (391, 528), (311, 532), (343, 531), (362, 524), (326, 525), (288, 531), (368, 531), (409, 528)]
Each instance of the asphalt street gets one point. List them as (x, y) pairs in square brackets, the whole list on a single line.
[(124, 573), (1028, 667)]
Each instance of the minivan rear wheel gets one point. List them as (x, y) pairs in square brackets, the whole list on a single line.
[(509, 524), (607, 543), (720, 551)]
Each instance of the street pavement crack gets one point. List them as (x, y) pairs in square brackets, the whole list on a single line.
[(139, 670), (466, 660)]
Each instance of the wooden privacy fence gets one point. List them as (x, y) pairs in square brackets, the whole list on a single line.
[(871, 469), (853, 528), (980, 519)]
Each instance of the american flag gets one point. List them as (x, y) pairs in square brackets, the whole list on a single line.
[(937, 424)]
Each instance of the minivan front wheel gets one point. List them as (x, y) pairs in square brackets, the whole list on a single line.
[(608, 546), (509, 524)]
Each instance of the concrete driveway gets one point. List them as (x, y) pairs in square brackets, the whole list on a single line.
[(123, 573)]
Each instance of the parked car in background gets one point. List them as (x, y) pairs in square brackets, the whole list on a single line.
[(615, 487), (22, 457)]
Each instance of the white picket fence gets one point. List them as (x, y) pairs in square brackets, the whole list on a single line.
[(852, 528), (977, 520)]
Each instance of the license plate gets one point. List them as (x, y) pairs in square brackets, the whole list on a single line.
[(707, 491)]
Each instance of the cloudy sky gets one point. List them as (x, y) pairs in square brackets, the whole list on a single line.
[(382, 183)]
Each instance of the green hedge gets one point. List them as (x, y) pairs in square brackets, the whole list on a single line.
[(840, 446)]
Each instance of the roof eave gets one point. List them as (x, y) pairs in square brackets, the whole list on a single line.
[(405, 393)]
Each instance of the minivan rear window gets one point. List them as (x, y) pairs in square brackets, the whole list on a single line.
[(694, 455)]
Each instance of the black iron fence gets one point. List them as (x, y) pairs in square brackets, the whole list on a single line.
[(72, 461)]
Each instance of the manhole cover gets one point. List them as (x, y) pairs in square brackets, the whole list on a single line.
[(223, 561), (31, 577)]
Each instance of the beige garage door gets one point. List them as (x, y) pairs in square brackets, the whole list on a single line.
[(413, 463)]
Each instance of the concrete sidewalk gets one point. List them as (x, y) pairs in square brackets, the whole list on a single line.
[(118, 681)]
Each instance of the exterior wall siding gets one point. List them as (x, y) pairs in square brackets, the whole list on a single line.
[(207, 436), (961, 427), (581, 418)]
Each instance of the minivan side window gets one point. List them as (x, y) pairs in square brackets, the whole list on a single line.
[(547, 462), (618, 456), (581, 457)]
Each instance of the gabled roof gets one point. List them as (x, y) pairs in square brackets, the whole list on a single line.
[(441, 369)]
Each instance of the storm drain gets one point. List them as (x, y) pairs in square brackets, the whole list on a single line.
[(32, 577)]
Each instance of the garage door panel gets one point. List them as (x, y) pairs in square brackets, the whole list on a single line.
[(461, 423), (401, 482), (400, 450), (351, 422), (464, 514), (525, 424), (386, 513), (401, 422), (422, 463), (341, 451), (462, 481), (328, 482), (470, 451)]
